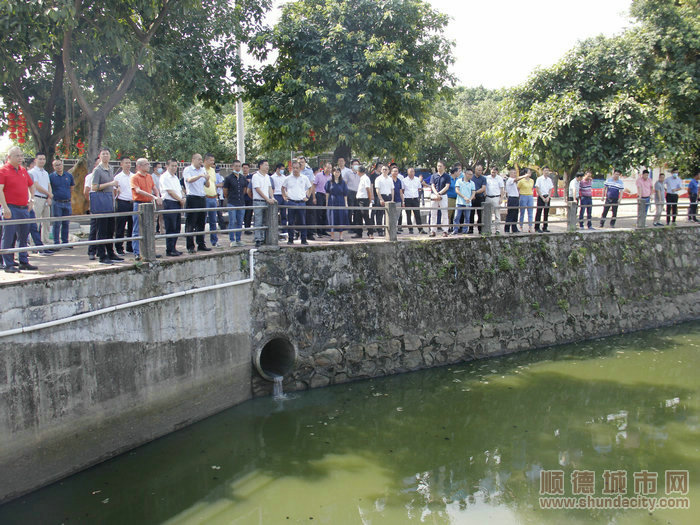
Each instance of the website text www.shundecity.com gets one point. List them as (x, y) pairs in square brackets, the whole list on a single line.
[(583, 496)]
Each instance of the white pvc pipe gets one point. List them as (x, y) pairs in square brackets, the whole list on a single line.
[(132, 304)]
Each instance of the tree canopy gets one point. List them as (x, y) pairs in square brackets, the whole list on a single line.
[(350, 74), (632, 99), (92, 54)]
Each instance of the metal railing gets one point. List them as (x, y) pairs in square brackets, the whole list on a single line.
[(566, 213)]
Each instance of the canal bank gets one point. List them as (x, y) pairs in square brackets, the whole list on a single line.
[(74, 394)]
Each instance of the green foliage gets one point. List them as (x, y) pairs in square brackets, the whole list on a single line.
[(148, 50), (588, 110), (361, 74), (504, 264), (459, 129)]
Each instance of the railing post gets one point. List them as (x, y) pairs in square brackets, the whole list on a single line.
[(571, 219), (273, 231), (641, 213), (147, 229), (487, 217), (392, 221)]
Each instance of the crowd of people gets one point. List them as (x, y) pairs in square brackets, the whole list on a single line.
[(327, 202)]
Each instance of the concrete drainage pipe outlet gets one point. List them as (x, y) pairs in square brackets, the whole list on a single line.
[(276, 358)]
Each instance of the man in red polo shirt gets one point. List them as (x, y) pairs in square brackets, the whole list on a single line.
[(15, 188)]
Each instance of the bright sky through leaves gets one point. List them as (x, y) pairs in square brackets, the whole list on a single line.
[(499, 42)]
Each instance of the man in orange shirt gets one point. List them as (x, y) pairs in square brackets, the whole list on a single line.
[(143, 190)]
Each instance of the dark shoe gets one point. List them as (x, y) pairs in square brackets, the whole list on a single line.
[(177, 252), (92, 257), (410, 231), (203, 249), (120, 252), (536, 229), (247, 233), (27, 266), (545, 230), (115, 257), (304, 242), (172, 254), (105, 261), (290, 242), (69, 247), (190, 250), (11, 269)]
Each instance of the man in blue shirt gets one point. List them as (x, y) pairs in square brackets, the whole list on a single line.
[(674, 187), (479, 181), (693, 195), (465, 196), (61, 185), (235, 190), (612, 190)]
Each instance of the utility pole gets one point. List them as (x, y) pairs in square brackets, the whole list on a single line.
[(240, 125)]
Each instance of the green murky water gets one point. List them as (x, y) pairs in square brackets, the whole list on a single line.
[(462, 444)]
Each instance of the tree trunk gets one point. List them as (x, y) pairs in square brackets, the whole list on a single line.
[(456, 150), (96, 132), (342, 150)]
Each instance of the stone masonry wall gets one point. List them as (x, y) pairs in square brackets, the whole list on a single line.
[(366, 310)]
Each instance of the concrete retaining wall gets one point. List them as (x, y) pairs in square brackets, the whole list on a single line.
[(359, 311), (73, 395)]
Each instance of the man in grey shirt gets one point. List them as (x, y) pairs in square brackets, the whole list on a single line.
[(101, 202), (659, 198)]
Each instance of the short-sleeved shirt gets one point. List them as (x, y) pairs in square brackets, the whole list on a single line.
[(296, 187), (362, 186), (351, 178), (384, 185), (479, 182), (452, 192), (411, 187), (17, 183), (144, 183), (236, 189), (102, 176), (585, 189), (61, 185), (512, 187), (277, 181), (441, 181), (660, 191), (644, 187), (210, 191), (544, 186), (525, 186), (320, 181), (398, 186), (613, 188), (262, 181), (466, 188), (673, 184), (574, 188), (124, 181), (494, 185), (693, 187), (41, 177), (172, 183), (196, 188)]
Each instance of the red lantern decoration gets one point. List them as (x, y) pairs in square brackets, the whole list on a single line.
[(21, 140), (40, 124), (11, 116), (13, 135)]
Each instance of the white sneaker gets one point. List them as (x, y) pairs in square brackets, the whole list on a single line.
[(232, 244)]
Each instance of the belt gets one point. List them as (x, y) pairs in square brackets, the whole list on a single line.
[(18, 206), (40, 196), (492, 196), (57, 200), (292, 200)]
